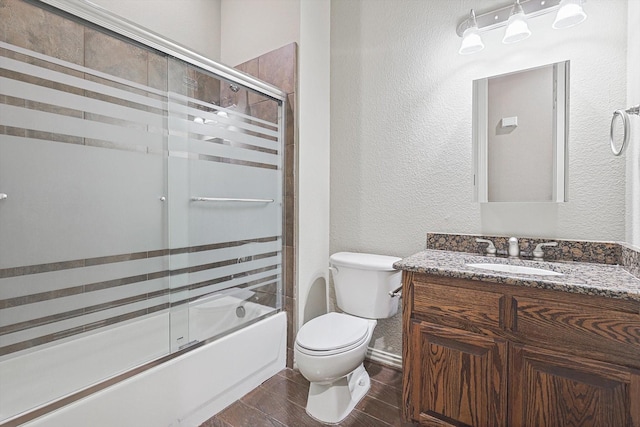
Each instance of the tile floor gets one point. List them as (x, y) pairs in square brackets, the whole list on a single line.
[(280, 402)]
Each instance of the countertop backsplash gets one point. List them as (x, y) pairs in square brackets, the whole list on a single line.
[(630, 259), (611, 253)]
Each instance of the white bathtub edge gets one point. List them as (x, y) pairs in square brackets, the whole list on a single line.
[(268, 369), (185, 391)]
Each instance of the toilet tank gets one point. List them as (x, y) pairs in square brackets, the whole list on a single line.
[(363, 282)]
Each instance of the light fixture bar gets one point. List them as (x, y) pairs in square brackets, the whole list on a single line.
[(498, 17)]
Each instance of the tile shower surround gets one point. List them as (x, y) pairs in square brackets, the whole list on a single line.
[(567, 250), (279, 68)]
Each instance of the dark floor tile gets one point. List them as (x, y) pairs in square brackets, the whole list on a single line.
[(281, 409), (216, 422), (385, 393), (294, 375), (380, 410), (281, 400), (241, 415), (359, 419), (287, 389), (384, 374)]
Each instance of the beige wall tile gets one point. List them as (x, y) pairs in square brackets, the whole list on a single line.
[(115, 57), (43, 31), (278, 67)]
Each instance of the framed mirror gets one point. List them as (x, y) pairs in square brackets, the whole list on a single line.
[(520, 130)]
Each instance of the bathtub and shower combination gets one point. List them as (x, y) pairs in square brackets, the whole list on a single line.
[(141, 211)]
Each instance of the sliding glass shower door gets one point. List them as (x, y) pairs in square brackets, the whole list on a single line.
[(225, 205), (140, 206), (84, 263)]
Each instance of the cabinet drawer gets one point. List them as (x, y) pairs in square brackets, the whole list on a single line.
[(601, 333), (466, 306)]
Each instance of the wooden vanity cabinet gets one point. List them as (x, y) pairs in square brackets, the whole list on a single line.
[(482, 354), (553, 389), (458, 377)]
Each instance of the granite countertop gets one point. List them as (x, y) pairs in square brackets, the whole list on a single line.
[(610, 281)]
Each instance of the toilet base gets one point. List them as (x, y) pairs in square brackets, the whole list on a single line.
[(331, 402)]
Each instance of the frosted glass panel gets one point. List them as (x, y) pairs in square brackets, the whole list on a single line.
[(141, 210), (225, 204), (98, 201), (220, 180), (84, 256)]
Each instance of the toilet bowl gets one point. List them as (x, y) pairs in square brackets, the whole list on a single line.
[(337, 350), (329, 350)]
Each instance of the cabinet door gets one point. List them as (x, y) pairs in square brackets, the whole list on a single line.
[(458, 378), (549, 389)]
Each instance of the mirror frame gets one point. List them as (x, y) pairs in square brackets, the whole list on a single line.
[(560, 135)]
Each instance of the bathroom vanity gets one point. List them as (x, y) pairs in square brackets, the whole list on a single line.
[(489, 348)]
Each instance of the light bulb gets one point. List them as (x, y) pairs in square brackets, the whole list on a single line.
[(471, 40), (569, 14), (517, 27)]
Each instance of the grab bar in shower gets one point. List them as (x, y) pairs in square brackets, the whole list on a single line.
[(624, 116), (227, 199)]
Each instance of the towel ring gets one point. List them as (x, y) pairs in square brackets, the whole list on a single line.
[(624, 116)]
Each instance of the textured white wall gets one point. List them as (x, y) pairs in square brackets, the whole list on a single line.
[(192, 23), (401, 160), (633, 153), (313, 157), (251, 28)]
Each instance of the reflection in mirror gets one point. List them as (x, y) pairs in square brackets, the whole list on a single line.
[(520, 126)]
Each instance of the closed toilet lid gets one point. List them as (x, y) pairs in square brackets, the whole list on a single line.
[(332, 331), (363, 261)]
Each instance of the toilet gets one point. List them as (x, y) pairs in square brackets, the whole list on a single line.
[(330, 349)]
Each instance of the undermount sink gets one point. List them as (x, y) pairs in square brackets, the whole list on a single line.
[(517, 269)]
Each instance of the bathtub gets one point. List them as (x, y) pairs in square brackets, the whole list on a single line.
[(215, 315), (184, 391)]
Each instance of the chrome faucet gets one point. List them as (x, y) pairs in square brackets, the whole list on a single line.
[(491, 249), (514, 249), (538, 252)]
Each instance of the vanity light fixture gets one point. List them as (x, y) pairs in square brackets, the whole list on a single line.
[(471, 40), (514, 17), (569, 14), (517, 27)]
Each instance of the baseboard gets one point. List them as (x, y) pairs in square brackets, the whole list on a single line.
[(384, 358)]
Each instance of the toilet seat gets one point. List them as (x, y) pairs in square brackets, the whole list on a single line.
[(332, 333)]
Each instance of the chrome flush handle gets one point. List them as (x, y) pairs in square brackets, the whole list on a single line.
[(396, 293)]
